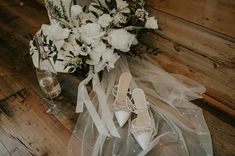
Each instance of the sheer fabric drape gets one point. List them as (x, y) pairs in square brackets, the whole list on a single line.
[(181, 128)]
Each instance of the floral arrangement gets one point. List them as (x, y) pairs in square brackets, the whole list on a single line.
[(93, 39)]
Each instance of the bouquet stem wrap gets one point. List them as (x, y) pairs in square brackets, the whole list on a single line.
[(180, 125)]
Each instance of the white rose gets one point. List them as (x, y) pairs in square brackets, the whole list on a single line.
[(110, 58), (52, 33), (121, 39), (96, 53), (151, 23), (105, 20), (75, 11), (91, 33)]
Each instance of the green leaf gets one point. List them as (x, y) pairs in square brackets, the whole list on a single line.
[(84, 8), (34, 43), (89, 21), (111, 4), (61, 60), (71, 53), (95, 14), (50, 42), (79, 42), (51, 52), (96, 6), (105, 10), (54, 58), (66, 66)]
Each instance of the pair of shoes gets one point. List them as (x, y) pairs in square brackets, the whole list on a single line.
[(142, 127)]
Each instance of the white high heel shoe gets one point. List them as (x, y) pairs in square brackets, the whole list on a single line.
[(121, 110), (142, 127)]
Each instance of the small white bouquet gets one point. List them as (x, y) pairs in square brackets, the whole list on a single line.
[(95, 39)]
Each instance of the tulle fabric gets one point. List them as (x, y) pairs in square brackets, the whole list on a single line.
[(180, 125)]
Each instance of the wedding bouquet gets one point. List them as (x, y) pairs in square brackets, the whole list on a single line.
[(93, 40)]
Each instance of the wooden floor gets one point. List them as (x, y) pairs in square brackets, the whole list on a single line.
[(25, 128)]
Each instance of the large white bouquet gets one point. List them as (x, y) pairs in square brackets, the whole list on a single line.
[(93, 40)]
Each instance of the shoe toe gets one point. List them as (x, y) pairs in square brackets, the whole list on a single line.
[(122, 117), (143, 139)]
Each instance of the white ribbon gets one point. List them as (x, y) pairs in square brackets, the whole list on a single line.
[(83, 98), (107, 115), (105, 124)]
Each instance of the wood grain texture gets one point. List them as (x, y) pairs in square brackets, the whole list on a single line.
[(218, 15), (207, 52), (8, 86), (33, 132)]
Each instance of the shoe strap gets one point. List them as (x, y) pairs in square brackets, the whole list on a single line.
[(117, 105), (129, 105), (132, 107)]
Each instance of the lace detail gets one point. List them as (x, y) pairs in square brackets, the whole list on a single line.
[(139, 130), (128, 106), (136, 130), (132, 107)]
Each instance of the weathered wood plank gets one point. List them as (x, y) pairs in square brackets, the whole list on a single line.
[(10, 145), (8, 86), (220, 106), (13, 16), (40, 133), (214, 46), (221, 128), (218, 15), (220, 90), (206, 52)]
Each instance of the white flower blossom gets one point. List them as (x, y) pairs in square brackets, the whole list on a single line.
[(52, 33), (75, 11), (96, 53), (84, 50), (76, 61), (121, 4), (141, 14), (121, 39), (91, 33), (151, 23), (119, 18), (110, 58), (122, 7), (105, 20), (100, 34)]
